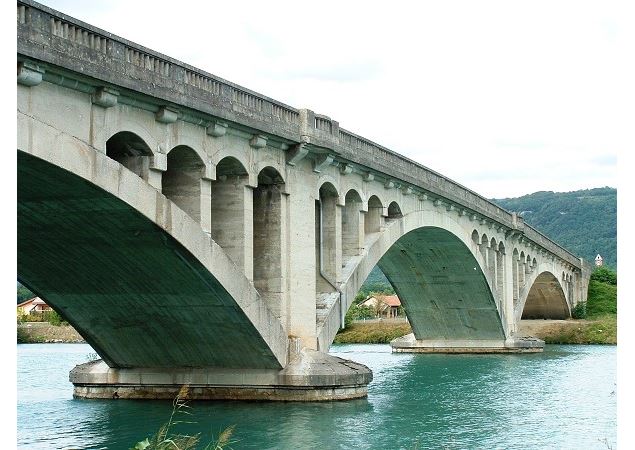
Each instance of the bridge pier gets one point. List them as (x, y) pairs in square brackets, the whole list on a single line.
[(409, 344), (311, 376)]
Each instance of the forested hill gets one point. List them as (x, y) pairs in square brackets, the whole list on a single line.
[(584, 222)]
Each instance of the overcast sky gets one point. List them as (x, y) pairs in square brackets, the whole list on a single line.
[(507, 98)]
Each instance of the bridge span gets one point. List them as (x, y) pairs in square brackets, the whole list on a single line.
[(197, 232)]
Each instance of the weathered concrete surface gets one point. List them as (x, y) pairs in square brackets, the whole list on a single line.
[(409, 344), (310, 376)]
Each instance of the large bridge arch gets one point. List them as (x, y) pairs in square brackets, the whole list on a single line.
[(74, 201), (427, 226)]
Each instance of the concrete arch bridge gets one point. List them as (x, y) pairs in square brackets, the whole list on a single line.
[(194, 231)]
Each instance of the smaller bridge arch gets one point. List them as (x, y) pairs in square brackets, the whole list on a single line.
[(546, 299), (131, 151), (394, 210), (373, 219)]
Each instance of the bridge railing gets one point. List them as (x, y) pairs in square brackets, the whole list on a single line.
[(66, 43)]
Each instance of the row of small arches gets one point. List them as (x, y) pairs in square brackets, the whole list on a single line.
[(185, 167)]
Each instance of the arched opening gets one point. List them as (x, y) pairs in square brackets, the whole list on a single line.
[(394, 211), (181, 182), (483, 248), (546, 299), (372, 222), (476, 237), (268, 212), (352, 228), (231, 225), (376, 299), (441, 286), (130, 151), (328, 246)]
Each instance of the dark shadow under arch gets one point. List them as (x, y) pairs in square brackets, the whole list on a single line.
[(546, 299)]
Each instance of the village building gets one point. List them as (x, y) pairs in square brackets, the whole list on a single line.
[(598, 260), (388, 305), (34, 305)]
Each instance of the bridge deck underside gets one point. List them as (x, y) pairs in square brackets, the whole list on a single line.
[(133, 292), (441, 287)]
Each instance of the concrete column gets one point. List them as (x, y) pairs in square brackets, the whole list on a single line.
[(231, 220), (302, 265), (331, 241), (206, 192), (154, 178), (267, 242), (491, 264), (500, 273), (181, 181), (521, 274), (482, 247), (373, 219), (515, 278), (510, 294), (352, 230)]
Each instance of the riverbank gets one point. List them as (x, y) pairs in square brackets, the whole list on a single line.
[(602, 330), (44, 332)]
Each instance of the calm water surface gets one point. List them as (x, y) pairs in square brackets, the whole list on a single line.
[(564, 398)]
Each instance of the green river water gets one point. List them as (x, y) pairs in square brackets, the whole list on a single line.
[(564, 398)]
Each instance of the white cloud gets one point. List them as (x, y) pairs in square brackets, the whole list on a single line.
[(506, 98)]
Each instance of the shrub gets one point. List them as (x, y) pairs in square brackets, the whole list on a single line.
[(579, 311), (604, 275)]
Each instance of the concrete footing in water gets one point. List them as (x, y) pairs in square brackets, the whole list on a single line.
[(311, 376), (409, 344)]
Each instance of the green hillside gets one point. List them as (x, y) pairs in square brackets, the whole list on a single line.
[(584, 222)]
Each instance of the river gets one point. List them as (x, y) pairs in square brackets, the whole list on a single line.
[(564, 398)]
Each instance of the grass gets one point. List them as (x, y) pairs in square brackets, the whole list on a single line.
[(372, 333), (601, 324), (600, 330), (26, 338)]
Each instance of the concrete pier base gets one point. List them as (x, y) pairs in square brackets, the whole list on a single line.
[(409, 344), (311, 376)]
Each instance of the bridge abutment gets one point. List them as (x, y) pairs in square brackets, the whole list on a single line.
[(310, 376)]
